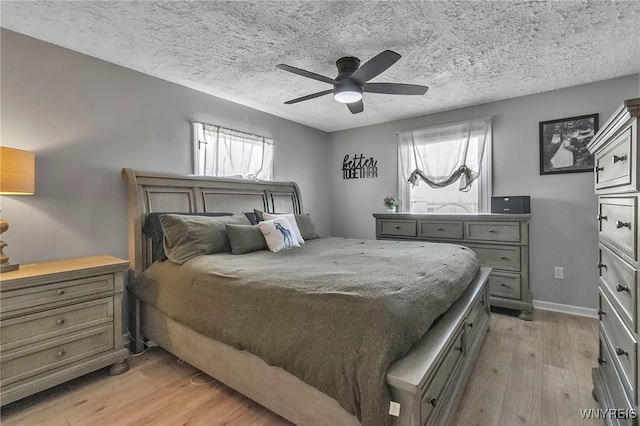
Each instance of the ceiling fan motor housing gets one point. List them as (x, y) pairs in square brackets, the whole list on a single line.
[(347, 90)]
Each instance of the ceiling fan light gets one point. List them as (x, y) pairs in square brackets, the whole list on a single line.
[(347, 94)]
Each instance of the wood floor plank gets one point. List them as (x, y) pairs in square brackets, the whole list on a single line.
[(517, 380), (560, 397), (523, 396)]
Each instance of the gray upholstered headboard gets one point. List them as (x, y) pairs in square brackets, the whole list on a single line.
[(160, 192)]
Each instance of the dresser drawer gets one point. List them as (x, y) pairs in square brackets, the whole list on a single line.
[(493, 231), (28, 329), (36, 296), (617, 221), (613, 382), (505, 285), (38, 358), (614, 163), (500, 257), (623, 345), (620, 278), (440, 230), (431, 396), (399, 227)]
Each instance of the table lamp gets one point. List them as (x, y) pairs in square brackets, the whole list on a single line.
[(17, 177)]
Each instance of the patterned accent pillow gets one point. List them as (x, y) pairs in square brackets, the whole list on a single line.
[(292, 221), (278, 234)]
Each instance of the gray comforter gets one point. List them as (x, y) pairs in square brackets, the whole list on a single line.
[(336, 312)]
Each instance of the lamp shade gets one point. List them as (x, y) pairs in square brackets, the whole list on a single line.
[(17, 171)]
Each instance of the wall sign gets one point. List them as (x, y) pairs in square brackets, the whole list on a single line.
[(359, 167)]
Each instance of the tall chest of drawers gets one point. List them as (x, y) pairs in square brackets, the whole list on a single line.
[(617, 184), (60, 320), (501, 242)]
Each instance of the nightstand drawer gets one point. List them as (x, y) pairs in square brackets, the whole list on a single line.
[(617, 220), (38, 358), (500, 257), (403, 228), (504, 285), (623, 344), (34, 297), (614, 162), (29, 329), (620, 279), (493, 231), (444, 230)]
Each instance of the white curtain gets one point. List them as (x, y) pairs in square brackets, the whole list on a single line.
[(442, 155), (231, 153)]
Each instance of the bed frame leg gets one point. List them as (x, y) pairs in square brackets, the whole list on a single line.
[(136, 344)]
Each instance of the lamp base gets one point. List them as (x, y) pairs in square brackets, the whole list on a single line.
[(6, 267)]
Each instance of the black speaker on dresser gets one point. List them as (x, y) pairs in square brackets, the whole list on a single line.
[(518, 204)]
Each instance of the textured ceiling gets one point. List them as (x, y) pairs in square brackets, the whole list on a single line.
[(467, 52)]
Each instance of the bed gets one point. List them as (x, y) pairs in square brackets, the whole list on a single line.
[(423, 383)]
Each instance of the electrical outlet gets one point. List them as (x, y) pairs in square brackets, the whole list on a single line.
[(558, 272)]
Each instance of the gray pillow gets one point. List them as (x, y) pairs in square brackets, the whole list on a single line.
[(245, 238), (186, 237), (306, 227)]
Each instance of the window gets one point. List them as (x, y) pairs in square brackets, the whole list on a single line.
[(225, 152), (449, 165)]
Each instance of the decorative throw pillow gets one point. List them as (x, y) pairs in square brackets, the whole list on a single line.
[(188, 236), (278, 234), (292, 221), (245, 238)]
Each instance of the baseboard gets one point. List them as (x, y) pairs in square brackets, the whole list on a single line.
[(565, 309)]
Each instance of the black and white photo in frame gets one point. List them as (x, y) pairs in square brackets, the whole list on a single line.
[(563, 144)]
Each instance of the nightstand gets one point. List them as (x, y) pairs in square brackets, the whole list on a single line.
[(60, 320)]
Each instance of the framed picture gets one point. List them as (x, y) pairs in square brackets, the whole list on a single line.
[(563, 144)]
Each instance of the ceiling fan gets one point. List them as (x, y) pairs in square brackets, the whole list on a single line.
[(352, 80)]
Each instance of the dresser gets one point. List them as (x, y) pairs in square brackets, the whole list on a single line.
[(60, 320), (501, 242), (615, 150)]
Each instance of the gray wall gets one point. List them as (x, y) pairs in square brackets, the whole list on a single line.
[(85, 119), (563, 227)]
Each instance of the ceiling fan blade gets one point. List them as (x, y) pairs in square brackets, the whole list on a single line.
[(356, 107), (375, 66), (305, 73), (394, 88), (311, 96)]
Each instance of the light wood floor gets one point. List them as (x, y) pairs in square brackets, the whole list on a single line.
[(528, 373)]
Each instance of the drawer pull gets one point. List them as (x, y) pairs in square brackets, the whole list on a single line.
[(61, 354), (621, 287), (441, 229), (470, 325), (620, 224), (597, 169), (432, 401), (458, 348), (492, 230), (60, 321), (60, 292), (601, 312), (617, 158), (504, 285), (620, 351), (503, 257), (602, 265), (601, 218), (601, 361), (396, 226)]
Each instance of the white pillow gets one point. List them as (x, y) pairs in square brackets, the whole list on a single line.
[(292, 221), (278, 234)]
